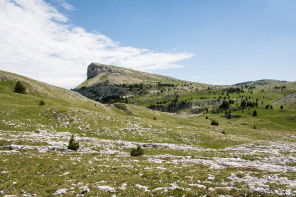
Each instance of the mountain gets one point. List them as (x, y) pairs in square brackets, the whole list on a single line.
[(111, 84), (264, 82), (223, 150)]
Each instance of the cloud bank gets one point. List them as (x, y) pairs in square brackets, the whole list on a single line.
[(37, 41)]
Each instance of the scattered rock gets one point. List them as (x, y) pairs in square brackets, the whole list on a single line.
[(123, 186), (84, 189), (106, 188), (39, 148), (145, 188), (61, 191)]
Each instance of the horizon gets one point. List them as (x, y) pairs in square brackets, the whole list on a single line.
[(212, 42), (71, 88)]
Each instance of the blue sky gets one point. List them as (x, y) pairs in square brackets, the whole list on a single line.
[(232, 40), (209, 41)]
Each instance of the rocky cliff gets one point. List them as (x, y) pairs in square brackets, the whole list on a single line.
[(95, 69)]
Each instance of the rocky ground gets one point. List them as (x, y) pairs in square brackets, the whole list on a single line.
[(260, 168)]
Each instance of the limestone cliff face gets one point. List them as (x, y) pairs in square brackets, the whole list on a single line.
[(95, 69)]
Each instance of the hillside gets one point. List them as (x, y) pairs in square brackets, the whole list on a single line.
[(110, 84), (263, 82), (184, 154)]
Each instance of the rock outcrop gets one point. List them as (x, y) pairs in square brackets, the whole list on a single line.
[(95, 69)]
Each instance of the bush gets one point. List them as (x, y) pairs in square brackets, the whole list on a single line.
[(254, 113), (137, 151), (223, 132), (120, 106), (154, 118), (282, 107), (73, 145), (42, 102), (254, 127), (214, 123), (20, 88), (224, 106)]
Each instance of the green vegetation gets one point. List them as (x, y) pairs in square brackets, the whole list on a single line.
[(214, 122), (20, 88), (73, 145), (137, 151), (121, 106), (103, 129), (42, 102)]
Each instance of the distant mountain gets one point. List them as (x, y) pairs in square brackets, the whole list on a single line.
[(111, 84), (262, 82)]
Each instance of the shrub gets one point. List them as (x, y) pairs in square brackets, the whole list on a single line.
[(120, 106), (224, 106), (20, 88), (282, 107), (137, 151), (223, 132), (207, 117), (154, 118), (214, 123), (254, 127), (243, 104), (73, 145), (42, 102), (254, 113)]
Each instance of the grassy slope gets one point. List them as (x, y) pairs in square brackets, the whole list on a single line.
[(68, 111), (42, 173)]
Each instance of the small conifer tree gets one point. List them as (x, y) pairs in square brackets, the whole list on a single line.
[(282, 107), (20, 88), (254, 113), (73, 145), (137, 151), (214, 123), (42, 102)]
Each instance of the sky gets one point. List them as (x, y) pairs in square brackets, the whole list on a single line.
[(218, 42)]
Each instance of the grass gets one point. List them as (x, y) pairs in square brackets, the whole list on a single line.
[(43, 174), (67, 111)]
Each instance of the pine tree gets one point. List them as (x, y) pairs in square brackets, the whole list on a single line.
[(243, 104), (254, 113), (42, 102), (137, 151), (73, 145), (20, 88)]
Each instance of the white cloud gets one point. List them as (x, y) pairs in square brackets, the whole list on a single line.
[(65, 5), (37, 42)]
